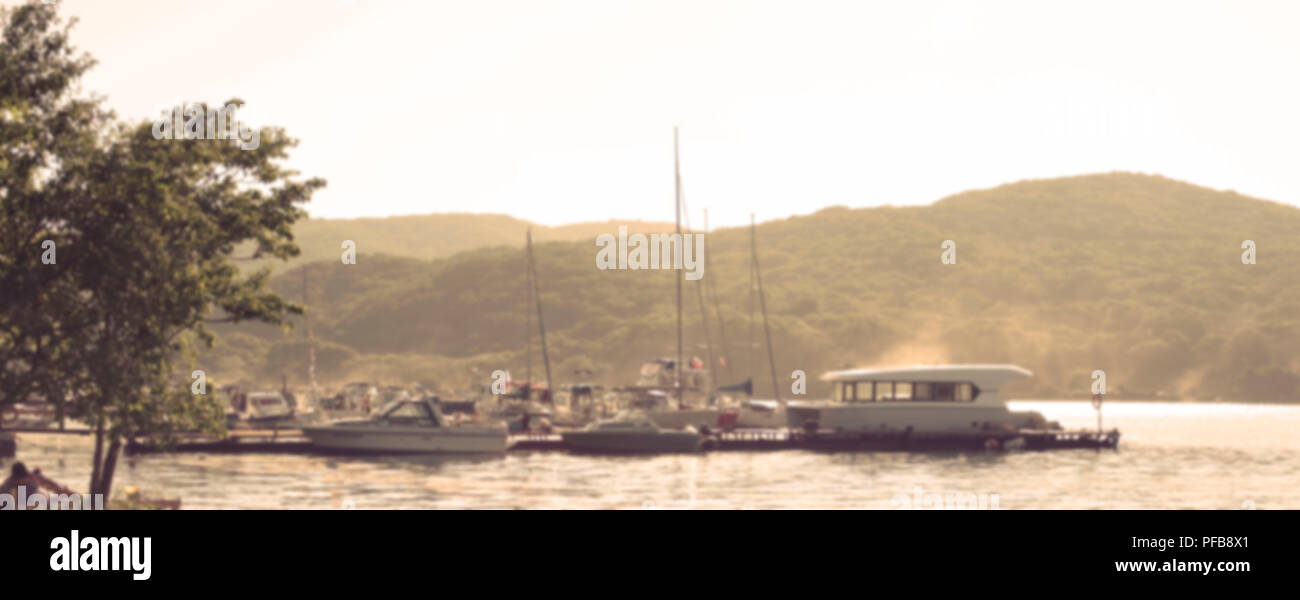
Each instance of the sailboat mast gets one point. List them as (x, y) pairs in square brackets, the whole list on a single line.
[(762, 302), (311, 338), (541, 322), (677, 181), (750, 349), (528, 309)]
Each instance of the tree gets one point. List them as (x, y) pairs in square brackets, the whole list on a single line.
[(42, 128), (144, 230)]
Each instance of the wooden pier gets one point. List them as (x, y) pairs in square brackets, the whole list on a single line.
[(908, 441), (291, 441)]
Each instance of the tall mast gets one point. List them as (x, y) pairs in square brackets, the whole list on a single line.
[(677, 179), (311, 338), (528, 310), (767, 333), (541, 323), (753, 291)]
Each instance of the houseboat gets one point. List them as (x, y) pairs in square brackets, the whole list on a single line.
[(923, 399)]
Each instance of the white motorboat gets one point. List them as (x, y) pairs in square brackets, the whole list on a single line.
[(263, 408), (930, 398), (409, 425), (632, 433)]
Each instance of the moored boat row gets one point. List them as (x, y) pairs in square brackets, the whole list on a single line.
[(677, 404), (954, 404)]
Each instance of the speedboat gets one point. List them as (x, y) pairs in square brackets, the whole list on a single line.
[(927, 398), (258, 408), (631, 433), (409, 425)]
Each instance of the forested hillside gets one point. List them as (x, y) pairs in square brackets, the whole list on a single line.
[(1138, 275)]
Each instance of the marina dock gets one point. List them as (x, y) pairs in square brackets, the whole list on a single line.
[(292, 441)]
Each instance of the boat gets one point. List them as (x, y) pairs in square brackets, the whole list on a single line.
[(632, 433), (923, 399), (657, 396), (349, 402), (258, 408), (409, 425), (578, 405), (671, 391), (660, 407)]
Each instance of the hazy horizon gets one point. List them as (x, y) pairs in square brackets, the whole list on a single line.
[(761, 220)]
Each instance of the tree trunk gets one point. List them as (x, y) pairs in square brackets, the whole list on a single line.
[(106, 472), (99, 453)]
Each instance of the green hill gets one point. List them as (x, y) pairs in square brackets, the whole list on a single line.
[(1138, 275), (425, 237)]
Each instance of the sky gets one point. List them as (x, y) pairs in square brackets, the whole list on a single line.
[(562, 111)]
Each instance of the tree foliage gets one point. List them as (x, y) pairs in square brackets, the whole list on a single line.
[(143, 231)]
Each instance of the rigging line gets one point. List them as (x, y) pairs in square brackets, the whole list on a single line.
[(677, 181), (711, 290), (762, 302), (704, 313)]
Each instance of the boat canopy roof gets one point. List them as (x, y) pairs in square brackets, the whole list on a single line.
[(418, 411), (983, 376)]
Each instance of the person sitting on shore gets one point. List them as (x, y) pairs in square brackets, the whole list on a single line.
[(19, 476), (34, 481)]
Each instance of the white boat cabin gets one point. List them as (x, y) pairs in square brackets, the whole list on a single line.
[(408, 412), (923, 383)]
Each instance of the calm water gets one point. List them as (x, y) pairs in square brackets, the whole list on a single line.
[(1171, 456)]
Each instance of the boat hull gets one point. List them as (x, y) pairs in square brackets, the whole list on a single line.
[(409, 440), (917, 416)]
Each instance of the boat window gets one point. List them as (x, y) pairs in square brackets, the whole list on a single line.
[(903, 390), (884, 391), (964, 392), (944, 392), (864, 391), (923, 392), (410, 413), (841, 392)]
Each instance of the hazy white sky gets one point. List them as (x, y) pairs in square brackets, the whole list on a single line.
[(562, 111)]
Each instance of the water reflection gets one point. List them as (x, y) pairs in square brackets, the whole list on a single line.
[(1172, 456)]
